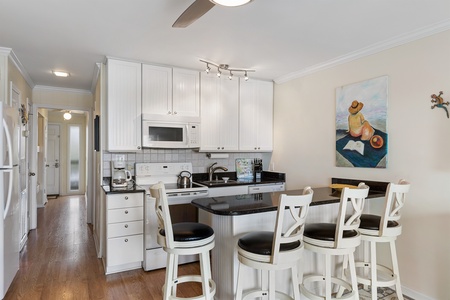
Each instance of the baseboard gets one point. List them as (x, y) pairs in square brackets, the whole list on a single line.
[(415, 295)]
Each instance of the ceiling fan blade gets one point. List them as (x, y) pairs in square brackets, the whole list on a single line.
[(192, 13)]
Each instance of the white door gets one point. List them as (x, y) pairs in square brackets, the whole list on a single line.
[(53, 162), (24, 172)]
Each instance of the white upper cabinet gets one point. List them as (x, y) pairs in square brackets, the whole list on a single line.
[(123, 106), (156, 90), (256, 116), (170, 94), (219, 113)]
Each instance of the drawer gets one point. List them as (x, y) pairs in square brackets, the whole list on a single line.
[(125, 228), (125, 214), (124, 200), (124, 250)]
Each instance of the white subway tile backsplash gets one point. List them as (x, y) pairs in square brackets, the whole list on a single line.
[(200, 162)]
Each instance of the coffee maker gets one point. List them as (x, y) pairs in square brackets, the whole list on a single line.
[(120, 176)]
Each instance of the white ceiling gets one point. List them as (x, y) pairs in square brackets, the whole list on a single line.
[(280, 39)]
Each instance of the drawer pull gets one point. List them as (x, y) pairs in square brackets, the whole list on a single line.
[(126, 197), (126, 212), (126, 225), (126, 240)]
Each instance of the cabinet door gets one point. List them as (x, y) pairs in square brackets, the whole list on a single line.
[(219, 113), (256, 116), (186, 93), (123, 106), (156, 90), (123, 250), (229, 114), (209, 113)]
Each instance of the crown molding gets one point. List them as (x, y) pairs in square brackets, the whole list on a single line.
[(97, 69), (375, 48), (60, 89), (12, 56)]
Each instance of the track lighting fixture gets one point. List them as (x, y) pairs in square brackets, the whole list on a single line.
[(226, 68)]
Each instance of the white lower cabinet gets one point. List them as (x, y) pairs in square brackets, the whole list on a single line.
[(124, 232)]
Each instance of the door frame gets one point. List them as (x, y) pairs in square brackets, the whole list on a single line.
[(59, 160), (89, 157)]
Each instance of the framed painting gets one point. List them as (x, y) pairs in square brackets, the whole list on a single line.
[(361, 124)]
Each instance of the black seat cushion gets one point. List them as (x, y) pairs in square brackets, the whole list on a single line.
[(189, 231), (372, 222), (260, 242), (325, 231)]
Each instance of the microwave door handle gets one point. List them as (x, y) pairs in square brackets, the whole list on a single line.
[(187, 135)]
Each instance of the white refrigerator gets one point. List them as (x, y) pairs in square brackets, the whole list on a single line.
[(9, 196)]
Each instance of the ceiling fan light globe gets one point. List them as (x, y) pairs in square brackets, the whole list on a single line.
[(230, 2), (67, 116)]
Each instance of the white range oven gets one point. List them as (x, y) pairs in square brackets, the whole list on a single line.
[(180, 206)]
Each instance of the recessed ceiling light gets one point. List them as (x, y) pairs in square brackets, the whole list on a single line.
[(231, 2), (61, 74)]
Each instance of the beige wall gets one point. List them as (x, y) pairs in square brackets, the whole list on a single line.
[(419, 139), (16, 77), (70, 99)]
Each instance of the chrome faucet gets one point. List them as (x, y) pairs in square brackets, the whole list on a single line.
[(211, 170)]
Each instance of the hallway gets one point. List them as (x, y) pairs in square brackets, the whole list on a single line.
[(59, 262)]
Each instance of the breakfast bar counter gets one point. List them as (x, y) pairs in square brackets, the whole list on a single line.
[(233, 216)]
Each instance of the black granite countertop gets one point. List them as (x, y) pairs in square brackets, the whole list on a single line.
[(130, 188), (267, 177), (264, 202)]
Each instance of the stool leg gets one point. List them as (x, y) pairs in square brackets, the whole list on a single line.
[(239, 283), (351, 260), (344, 268), (271, 284), (366, 259), (327, 277), (169, 275), (175, 274), (398, 286), (204, 269), (295, 283), (373, 270)]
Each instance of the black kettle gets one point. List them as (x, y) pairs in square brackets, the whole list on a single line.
[(184, 181)]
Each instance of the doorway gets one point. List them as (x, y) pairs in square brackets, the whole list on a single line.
[(53, 160)]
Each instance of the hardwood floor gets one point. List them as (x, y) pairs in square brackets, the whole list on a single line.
[(59, 262)]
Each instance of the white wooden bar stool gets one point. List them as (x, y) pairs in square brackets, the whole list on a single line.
[(332, 239), (183, 239), (382, 228), (279, 250)]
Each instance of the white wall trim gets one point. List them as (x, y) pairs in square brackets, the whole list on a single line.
[(95, 77), (415, 295), (375, 48), (10, 53), (60, 89)]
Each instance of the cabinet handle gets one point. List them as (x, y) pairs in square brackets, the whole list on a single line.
[(169, 112), (255, 148), (174, 112), (126, 212), (218, 148), (223, 148), (126, 197), (126, 225), (139, 147), (126, 240)]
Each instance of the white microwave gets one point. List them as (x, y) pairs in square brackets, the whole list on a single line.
[(156, 134)]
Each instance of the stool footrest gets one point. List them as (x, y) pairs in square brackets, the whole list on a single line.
[(195, 278), (382, 270), (318, 278), (252, 294)]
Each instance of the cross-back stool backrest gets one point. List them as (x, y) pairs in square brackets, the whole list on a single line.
[(394, 201), (352, 198), (297, 211), (158, 191)]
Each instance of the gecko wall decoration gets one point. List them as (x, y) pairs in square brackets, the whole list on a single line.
[(439, 102)]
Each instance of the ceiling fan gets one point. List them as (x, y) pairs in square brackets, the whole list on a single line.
[(200, 7)]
